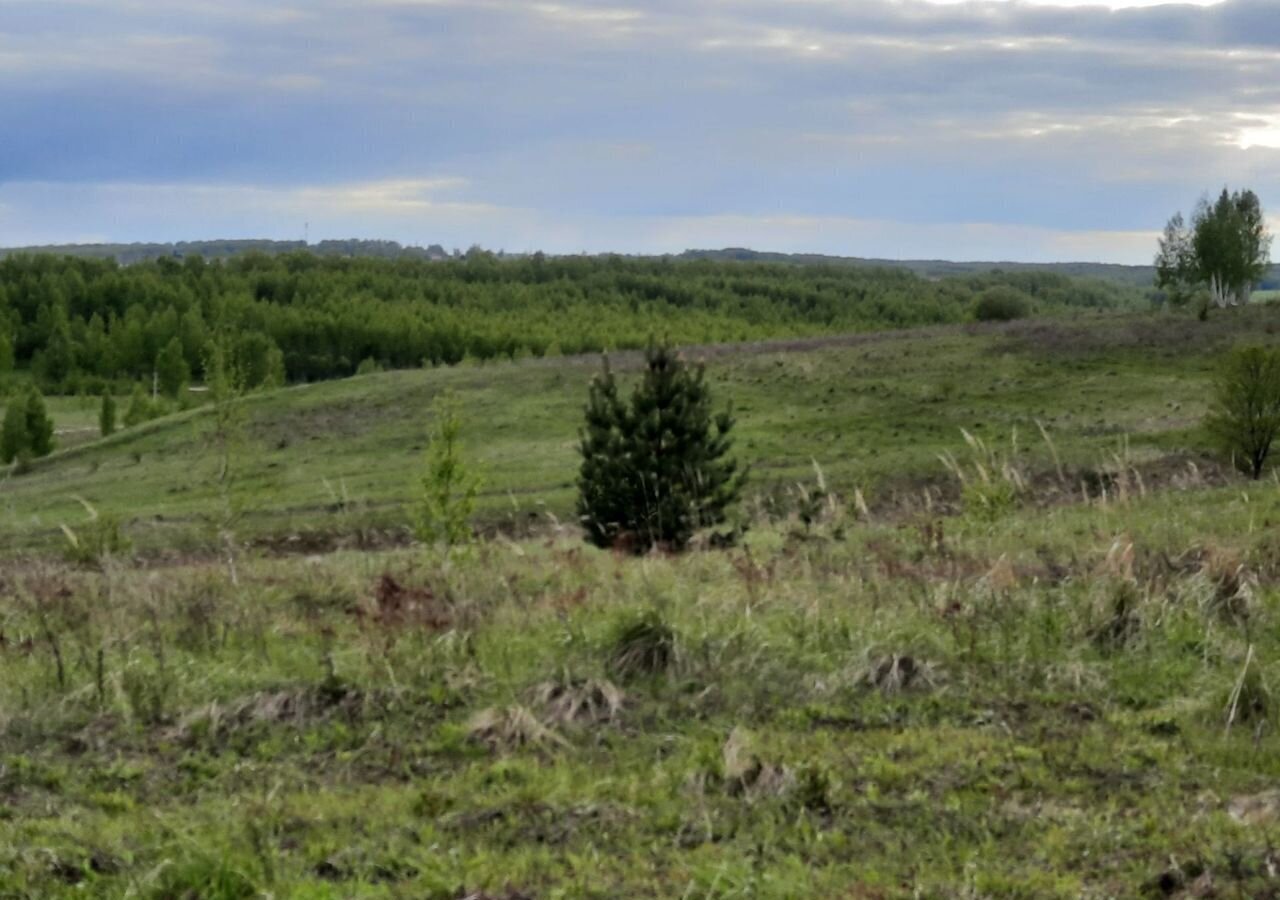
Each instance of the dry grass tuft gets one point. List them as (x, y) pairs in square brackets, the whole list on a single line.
[(511, 728), (1250, 701), (297, 705), (1230, 586), (645, 645), (570, 701), (895, 673)]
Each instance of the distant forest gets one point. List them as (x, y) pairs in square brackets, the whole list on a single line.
[(79, 324), (126, 254)]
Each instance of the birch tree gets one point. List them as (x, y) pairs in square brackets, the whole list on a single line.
[(1225, 250)]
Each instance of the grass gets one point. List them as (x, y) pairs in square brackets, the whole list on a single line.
[(881, 714), (1041, 671), (875, 411)]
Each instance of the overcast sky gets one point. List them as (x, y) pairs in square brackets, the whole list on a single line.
[(1009, 129)]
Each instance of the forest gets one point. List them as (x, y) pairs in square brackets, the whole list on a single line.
[(83, 325)]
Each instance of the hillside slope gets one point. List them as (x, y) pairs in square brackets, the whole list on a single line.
[(1031, 697), (875, 411)]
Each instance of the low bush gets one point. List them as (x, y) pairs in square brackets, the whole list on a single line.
[(1001, 304)]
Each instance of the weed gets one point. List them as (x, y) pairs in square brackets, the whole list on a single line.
[(1250, 701), (100, 538), (991, 483), (1121, 620), (148, 693), (814, 788)]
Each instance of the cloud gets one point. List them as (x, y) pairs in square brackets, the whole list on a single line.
[(644, 120), (282, 211), (415, 210)]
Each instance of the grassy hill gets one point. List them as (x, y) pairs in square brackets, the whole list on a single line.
[(875, 412), (1056, 682)]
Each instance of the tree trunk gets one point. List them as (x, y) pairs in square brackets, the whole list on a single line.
[(1219, 290)]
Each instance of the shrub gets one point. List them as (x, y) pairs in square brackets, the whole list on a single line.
[(1245, 415), (141, 408), (657, 470), (1001, 304)]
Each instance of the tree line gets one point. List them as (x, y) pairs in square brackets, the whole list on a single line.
[(81, 325)]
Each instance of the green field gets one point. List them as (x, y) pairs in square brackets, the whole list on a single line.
[(875, 412), (276, 694)]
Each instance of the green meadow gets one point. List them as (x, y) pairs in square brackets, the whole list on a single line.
[(874, 411), (999, 623)]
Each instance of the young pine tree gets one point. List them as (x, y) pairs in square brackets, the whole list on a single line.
[(447, 490), (13, 430), (107, 414), (39, 425), (605, 489), (658, 470)]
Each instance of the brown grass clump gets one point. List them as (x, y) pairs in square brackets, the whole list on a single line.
[(1230, 584), (1255, 809), (217, 721), (511, 728), (895, 673), (1119, 563), (645, 645), (590, 701)]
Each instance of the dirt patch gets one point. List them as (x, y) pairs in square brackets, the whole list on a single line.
[(397, 605)]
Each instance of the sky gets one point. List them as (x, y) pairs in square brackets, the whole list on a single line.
[(982, 129)]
